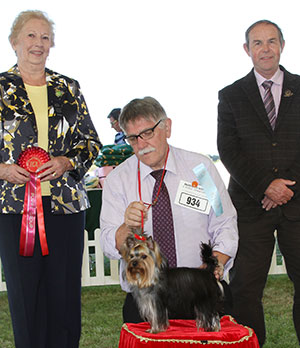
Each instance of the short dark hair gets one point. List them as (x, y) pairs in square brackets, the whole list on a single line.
[(115, 113), (264, 21)]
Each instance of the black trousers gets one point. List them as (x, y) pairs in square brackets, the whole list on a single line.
[(44, 292), (249, 274)]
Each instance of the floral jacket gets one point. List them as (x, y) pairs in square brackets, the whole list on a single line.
[(71, 134)]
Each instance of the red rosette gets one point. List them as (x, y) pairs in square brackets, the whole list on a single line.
[(32, 158)]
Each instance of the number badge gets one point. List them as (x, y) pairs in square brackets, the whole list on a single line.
[(192, 197)]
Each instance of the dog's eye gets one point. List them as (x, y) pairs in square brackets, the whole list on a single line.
[(144, 257)]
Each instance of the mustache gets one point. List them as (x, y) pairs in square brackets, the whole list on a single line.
[(146, 150)]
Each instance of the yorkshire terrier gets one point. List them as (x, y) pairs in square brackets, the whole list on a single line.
[(163, 293)]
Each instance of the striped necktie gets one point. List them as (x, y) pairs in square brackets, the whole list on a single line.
[(269, 103)]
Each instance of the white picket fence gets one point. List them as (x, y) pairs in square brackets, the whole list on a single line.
[(95, 273), (93, 267)]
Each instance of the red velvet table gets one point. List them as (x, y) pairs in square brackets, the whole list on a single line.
[(183, 333)]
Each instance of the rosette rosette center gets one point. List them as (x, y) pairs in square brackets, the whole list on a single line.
[(32, 158)]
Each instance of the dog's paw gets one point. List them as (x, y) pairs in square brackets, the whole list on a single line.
[(155, 329), (212, 325)]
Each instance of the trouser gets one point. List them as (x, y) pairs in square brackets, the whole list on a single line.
[(249, 274), (44, 292)]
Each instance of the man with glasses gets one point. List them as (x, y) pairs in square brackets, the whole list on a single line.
[(114, 123), (201, 208)]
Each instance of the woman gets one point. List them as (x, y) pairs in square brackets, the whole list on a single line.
[(39, 107)]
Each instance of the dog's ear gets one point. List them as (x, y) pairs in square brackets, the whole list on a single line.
[(150, 243), (127, 245), (130, 241)]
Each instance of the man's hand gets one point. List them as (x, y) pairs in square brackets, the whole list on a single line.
[(222, 260), (133, 214), (268, 204), (132, 220), (279, 192)]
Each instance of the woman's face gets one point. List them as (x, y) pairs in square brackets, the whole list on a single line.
[(33, 43)]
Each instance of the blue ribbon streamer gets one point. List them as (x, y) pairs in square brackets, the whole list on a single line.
[(209, 187)]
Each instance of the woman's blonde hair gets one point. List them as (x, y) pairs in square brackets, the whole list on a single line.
[(23, 18)]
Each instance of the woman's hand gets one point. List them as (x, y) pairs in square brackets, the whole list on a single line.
[(54, 168), (14, 174)]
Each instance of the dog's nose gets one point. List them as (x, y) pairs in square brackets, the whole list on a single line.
[(134, 263)]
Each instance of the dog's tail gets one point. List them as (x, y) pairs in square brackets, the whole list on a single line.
[(212, 263), (208, 259)]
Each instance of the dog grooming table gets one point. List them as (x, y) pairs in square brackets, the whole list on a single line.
[(184, 333)]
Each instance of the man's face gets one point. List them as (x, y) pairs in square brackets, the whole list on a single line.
[(151, 152), (264, 49), (115, 124)]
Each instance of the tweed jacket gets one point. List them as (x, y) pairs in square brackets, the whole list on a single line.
[(71, 134), (251, 151)]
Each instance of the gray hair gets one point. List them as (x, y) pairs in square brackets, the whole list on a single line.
[(147, 108), (23, 18), (264, 21)]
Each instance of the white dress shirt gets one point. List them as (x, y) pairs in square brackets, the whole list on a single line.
[(276, 88), (190, 227)]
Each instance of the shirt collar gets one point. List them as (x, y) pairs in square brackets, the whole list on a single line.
[(277, 78), (170, 167)]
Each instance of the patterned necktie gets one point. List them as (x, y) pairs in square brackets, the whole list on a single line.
[(269, 103), (162, 220)]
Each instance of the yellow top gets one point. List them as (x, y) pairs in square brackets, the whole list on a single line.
[(39, 100)]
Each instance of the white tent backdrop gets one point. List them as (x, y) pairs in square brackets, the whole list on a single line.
[(179, 51)]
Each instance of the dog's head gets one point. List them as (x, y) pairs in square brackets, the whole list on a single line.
[(143, 261)]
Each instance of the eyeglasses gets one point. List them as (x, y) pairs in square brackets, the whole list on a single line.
[(113, 123), (145, 135)]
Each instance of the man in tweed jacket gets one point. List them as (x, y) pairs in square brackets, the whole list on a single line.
[(264, 167)]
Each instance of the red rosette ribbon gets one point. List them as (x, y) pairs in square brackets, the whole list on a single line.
[(31, 159)]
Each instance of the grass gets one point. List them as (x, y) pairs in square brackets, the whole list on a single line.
[(102, 316), (278, 302)]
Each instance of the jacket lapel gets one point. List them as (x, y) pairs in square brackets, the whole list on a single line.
[(56, 97), (249, 85), (22, 100)]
